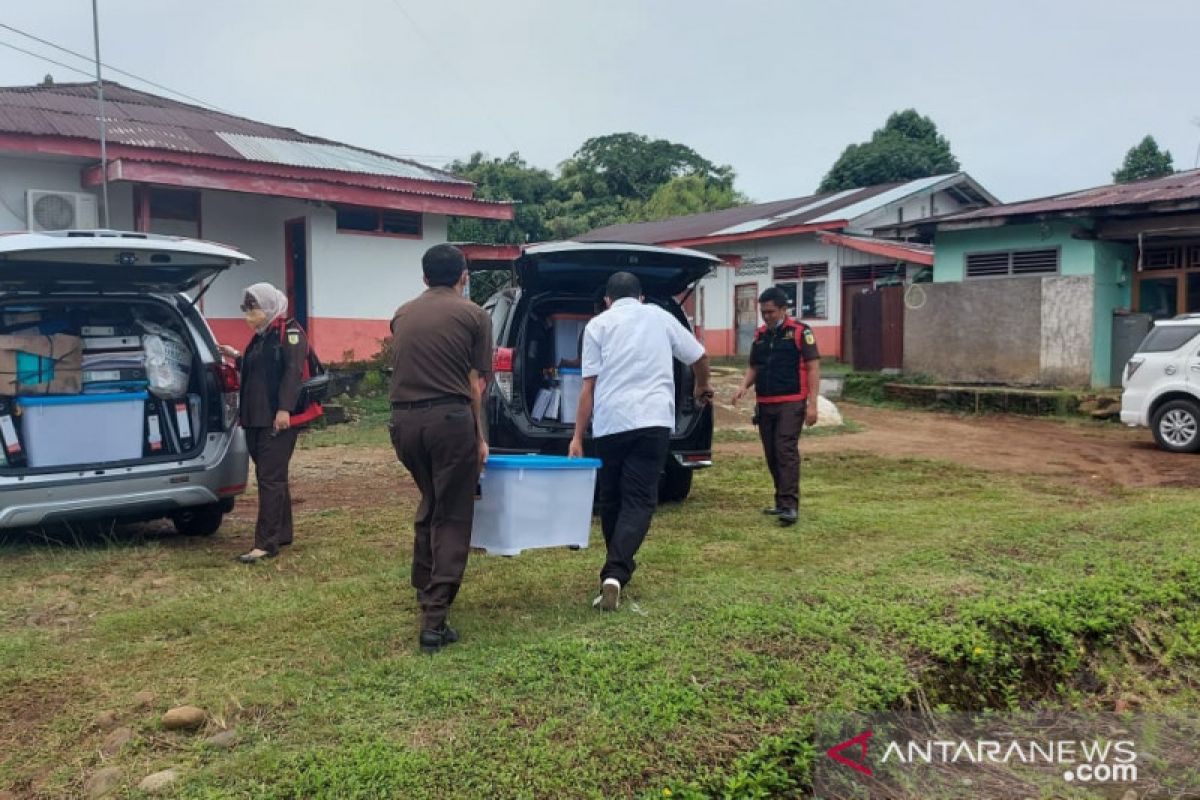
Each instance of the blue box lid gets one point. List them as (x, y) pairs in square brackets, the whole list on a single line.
[(81, 399), (541, 462), (570, 370)]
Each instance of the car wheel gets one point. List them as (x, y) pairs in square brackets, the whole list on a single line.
[(675, 484), (1176, 426), (199, 521)]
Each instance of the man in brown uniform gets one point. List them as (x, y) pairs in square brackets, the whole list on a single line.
[(785, 371), (442, 351)]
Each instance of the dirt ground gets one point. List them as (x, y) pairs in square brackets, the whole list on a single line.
[(1090, 454)]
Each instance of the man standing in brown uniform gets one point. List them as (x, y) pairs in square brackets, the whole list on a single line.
[(785, 371), (442, 352)]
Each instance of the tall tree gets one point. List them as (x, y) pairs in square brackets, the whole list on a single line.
[(1143, 161), (630, 165), (908, 146), (691, 194), (621, 177), (504, 179)]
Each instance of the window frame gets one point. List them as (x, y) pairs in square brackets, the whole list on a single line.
[(379, 214)]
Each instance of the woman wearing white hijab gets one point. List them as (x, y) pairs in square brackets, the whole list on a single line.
[(272, 371)]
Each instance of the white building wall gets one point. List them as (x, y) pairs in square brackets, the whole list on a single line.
[(719, 288), (254, 225), (917, 206), (367, 277), (58, 174)]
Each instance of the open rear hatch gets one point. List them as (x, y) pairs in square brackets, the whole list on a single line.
[(109, 261), (585, 267), (99, 364)]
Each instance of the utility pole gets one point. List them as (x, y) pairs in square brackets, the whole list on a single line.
[(103, 118)]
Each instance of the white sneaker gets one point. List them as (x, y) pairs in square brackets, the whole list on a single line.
[(609, 598)]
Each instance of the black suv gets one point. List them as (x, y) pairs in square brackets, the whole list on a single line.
[(537, 322)]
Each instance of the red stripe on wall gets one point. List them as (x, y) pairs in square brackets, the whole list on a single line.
[(336, 340), (721, 342)]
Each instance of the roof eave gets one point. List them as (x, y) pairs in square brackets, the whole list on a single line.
[(87, 148), (235, 181)]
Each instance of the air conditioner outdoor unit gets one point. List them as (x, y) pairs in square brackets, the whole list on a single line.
[(59, 211)]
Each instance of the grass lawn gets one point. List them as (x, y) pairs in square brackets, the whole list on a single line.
[(905, 583)]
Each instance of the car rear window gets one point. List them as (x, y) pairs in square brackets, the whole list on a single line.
[(1165, 338)]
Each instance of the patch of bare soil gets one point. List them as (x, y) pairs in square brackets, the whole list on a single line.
[(341, 477), (1086, 454)]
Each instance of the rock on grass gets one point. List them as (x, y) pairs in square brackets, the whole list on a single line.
[(184, 718)]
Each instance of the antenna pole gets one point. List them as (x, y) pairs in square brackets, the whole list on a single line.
[(103, 118)]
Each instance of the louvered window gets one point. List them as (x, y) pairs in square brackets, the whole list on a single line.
[(871, 272), (814, 270), (787, 273), (1013, 263)]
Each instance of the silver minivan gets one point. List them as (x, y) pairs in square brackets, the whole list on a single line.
[(75, 283)]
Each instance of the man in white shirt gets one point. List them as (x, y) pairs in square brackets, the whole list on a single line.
[(628, 380)]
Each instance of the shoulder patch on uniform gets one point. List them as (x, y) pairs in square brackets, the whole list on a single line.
[(808, 336), (293, 337)]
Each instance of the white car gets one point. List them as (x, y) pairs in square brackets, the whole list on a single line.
[(64, 458), (1162, 384)]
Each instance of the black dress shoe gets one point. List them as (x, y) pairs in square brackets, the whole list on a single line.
[(435, 639), (788, 517), (773, 512)]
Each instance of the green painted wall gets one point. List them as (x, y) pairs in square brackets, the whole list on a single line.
[(1114, 281), (1107, 262), (952, 246)]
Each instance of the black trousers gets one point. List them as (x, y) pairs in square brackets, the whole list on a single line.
[(439, 447), (628, 483), (272, 453), (779, 426)]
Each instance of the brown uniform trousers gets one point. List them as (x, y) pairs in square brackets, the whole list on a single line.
[(779, 426), (439, 446), (271, 453)]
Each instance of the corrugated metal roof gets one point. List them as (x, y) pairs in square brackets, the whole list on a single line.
[(1178, 187), (323, 156), (777, 215), (141, 119), (869, 204)]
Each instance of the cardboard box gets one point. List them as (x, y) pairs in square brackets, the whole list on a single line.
[(35, 365)]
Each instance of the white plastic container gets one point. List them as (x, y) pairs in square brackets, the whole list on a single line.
[(528, 502), (82, 429), (571, 381)]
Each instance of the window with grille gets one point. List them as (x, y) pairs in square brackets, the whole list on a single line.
[(1013, 263), (1160, 258)]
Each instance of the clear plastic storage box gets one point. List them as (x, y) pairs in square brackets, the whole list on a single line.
[(83, 428), (528, 502)]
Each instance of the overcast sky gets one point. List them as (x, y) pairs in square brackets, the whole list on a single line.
[(1035, 97)]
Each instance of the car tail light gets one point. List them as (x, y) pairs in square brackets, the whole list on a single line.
[(502, 366), (695, 459), (230, 384), (1132, 367)]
